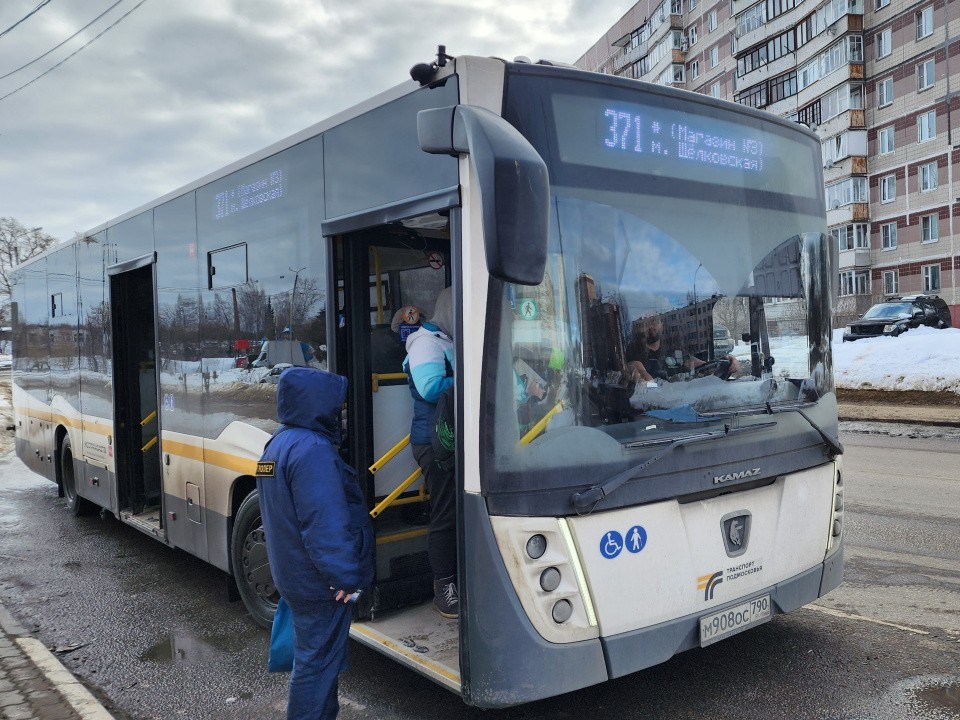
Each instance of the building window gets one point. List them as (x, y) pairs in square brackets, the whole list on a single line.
[(851, 237), (694, 69), (928, 229), (891, 282), (884, 43), (834, 149), (931, 278), (880, 4), (888, 236), (927, 126), (714, 56), (715, 90), (888, 188), (925, 23), (853, 282), (692, 4), (884, 92), (692, 34), (851, 190), (711, 21), (925, 75), (928, 177), (886, 140)]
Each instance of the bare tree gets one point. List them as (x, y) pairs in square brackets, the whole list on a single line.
[(733, 313), (17, 244)]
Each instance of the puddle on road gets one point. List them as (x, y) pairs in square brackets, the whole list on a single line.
[(926, 697), (940, 697), (185, 649)]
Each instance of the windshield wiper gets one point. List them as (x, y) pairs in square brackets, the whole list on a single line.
[(831, 442), (584, 502)]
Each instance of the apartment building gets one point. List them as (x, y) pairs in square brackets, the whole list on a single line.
[(874, 81)]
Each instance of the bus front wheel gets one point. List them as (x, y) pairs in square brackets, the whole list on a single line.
[(68, 481), (251, 567)]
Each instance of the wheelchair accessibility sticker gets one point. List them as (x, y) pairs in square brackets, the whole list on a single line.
[(612, 542)]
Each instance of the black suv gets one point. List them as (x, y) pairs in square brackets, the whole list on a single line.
[(897, 315)]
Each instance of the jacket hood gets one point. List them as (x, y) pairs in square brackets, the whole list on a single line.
[(312, 399)]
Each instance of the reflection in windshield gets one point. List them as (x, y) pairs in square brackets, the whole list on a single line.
[(644, 333), (887, 311)]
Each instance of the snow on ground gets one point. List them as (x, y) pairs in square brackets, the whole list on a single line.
[(921, 359)]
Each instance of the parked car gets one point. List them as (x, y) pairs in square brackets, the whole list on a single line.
[(273, 377), (897, 315), (722, 341)]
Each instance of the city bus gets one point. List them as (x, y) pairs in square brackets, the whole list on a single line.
[(605, 522)]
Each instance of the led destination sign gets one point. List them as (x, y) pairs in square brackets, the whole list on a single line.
[(682, 139), (640, 133)]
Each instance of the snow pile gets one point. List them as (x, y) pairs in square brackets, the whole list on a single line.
[(921, 359)]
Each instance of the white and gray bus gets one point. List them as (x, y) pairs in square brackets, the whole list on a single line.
[(608, 517)]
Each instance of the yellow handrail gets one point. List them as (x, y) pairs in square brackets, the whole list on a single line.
[(388, 500), (390, 454), (541, 424), (375, 378), (150, 444), (148, 418)]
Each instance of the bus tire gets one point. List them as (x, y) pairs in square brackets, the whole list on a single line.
[(68, 481), (251, 566)]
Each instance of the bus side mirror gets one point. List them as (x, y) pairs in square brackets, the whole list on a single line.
[(513, 183)]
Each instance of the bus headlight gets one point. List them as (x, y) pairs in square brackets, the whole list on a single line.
[(544, 566), (536, 546), (550, 579)]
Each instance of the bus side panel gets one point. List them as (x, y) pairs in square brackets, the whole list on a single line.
[(180, 376), (96, 388), (508, 662), (32, 373), (64, 360)]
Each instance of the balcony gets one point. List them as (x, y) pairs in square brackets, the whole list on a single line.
[(855, 212), (628, 56), (854, 259), (845, 73), (837, 169)]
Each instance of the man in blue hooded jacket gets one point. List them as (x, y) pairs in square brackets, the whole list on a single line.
[(319, 538)]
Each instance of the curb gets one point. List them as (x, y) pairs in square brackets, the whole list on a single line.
[(904, 414), (79, 698)]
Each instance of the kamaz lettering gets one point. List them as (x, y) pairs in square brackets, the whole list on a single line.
[(717, 479)]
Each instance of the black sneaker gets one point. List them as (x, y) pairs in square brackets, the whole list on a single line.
[(446, 599)]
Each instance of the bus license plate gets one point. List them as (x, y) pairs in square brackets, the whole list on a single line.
[(725, 623)]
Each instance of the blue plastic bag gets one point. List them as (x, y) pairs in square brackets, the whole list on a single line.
[(281, 639)]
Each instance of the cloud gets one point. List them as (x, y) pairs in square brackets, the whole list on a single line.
[(181, 88)]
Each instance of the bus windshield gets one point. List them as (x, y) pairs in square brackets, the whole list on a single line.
[(616, 353)]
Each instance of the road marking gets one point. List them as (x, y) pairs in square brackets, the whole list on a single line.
[(875, 621), (86, 705)]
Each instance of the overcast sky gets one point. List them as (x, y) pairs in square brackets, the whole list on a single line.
[(180, 88)]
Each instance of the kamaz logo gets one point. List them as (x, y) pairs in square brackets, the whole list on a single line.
[(717, 479)]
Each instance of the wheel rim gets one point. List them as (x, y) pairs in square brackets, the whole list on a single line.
[(256, 564)]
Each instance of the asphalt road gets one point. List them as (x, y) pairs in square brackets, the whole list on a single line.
[(151, 632)]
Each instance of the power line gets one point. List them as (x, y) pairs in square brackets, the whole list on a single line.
[(42, 3), (55, 47), (92, 40)]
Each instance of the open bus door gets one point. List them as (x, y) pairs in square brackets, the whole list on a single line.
[(379, 271), (136, 418)]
